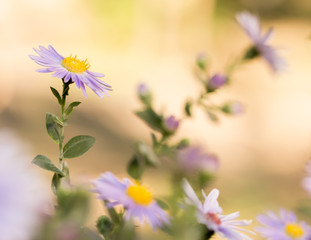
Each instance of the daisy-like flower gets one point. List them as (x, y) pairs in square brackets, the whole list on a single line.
[(70, 69), (306, 181), (136, 199), (283, 227), (210, 214), (22, 195), (251, 26)]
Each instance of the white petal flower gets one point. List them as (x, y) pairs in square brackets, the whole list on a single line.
[(210, 214)]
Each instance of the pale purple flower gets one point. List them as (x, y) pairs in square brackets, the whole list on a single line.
[(216, 82), (193, 159), (306, 182), (210, 214), (250, 24), (171, 124), (283, 227), (136, 199), (22, 195), (70, 69)]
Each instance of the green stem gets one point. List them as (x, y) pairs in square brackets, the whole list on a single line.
[(63, 104)]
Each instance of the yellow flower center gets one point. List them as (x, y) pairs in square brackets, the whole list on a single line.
[(74, 65), (294, 230), (141, 195)]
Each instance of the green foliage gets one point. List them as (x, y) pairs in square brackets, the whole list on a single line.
[(188, 108), (53, 127), (47, 164), (77, 146), (57, 95), (151, 118), (135, 168), (69, 109)]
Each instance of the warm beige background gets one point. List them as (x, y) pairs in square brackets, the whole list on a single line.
[(262, 152)]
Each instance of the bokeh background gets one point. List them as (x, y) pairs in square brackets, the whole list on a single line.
[(262, 152)]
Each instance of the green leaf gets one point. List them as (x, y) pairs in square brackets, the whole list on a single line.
[(212, 116), (70, 107), (77, 146), (135, 168), (55, 182), (162, 204), (146, 154), (188, 109), (151, 118), (57, 95), (47, 164), (52, 127)]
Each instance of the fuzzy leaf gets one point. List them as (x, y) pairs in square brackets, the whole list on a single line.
[(53, 127), (57, 95), (135, 169), (47, 164), (70, 107), (77, 146), (151, 118)]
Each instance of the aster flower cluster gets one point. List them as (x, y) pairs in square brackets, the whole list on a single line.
[(212, 82), (131, 203)]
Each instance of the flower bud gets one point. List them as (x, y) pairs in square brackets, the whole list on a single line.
[(171, 124), (144, 94), (233, 108), (216, 82), (202, 61)]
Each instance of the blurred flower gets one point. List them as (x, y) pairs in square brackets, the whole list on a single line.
[(216, 82), (283, 227), (192, 159), (144, 93), (202, 60), (251, 26), (233, 107), (136, 199), (22, 196), (306, 182), (171, 124), (70, 69), (210, 214)]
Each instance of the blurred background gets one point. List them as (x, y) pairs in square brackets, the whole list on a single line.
[(262, 152)]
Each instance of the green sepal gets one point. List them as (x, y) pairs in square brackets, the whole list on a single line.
[(135, 168), (77, 146), (69, 109), (57, 95), (151, 118), (45, 163), (104, 226), (53, 127), (56, 182)]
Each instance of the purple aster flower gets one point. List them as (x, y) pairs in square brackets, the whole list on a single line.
[(70, 69), (251, 26), (193, 159), (283, 227), (210, 214), (22, 194), (216, 82), (171, 124), (306, 182), (136, 199)]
